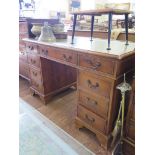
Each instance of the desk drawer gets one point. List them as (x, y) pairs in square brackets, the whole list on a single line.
[(31, 48), (35, 74), (95, 84), (23, 69), (36, 85), (34, 60), (23, 56), (98, 105), (91, 119), (63, 54), (43, 50), (97, 63), (22, 48)]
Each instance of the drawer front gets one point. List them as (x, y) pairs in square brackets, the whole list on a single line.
[(91, 119), (64, 55), (35, 75), (23, 27), (23, 69), (31, 48), (36, 85), (97, 63), (34, 60), (98, 105), (21, 48), (23, 56), (95, 84), (43, 50)]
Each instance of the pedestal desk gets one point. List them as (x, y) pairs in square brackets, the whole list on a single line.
[(96, 70)]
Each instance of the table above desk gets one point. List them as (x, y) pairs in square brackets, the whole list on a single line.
[(98, 46), (102, 11)]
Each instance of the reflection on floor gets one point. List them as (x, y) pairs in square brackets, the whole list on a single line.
[(62, 111), (40, 136)]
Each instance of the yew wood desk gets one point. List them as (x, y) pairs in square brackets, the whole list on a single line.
[(100, 12), (56, 66)]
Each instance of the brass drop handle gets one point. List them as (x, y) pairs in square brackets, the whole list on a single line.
[(89, 101), (35, 73), (90, 85), (67, 58), (33, 61), (32, 48), (94, 65), (23, 53), (45, 52), (90, 119)]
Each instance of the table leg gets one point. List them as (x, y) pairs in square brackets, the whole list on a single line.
[(92, 26), (74, 24), (126, 28), (109, 30)]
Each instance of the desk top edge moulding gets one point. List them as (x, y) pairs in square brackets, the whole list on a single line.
[(98, 46)]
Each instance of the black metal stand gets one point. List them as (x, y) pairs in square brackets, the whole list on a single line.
[(126, 28), (92, 26), (109, 30), (74, 24)]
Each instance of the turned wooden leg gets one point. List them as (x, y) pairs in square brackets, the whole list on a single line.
[(102, 141), (43, 100), (75, 86), (32, 92), (78, 124)]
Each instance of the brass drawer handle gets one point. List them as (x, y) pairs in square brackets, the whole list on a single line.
[(32, 48), (90, 85), (34, 73), (44, 52), (94, 65), (67, 58), (33, 61), (93, 102), (90, 119), (22, 53)]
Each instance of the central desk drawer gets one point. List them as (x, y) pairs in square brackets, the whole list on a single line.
[(34, 60), (63, 54), (98, 105), (95, 84), (97, 63), (91, 119)]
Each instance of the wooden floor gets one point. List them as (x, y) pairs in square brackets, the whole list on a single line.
[(62, 111)]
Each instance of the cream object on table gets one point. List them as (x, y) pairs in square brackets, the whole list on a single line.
[(115, 33)]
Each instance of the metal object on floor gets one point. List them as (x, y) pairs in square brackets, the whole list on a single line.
[(118, 129)]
